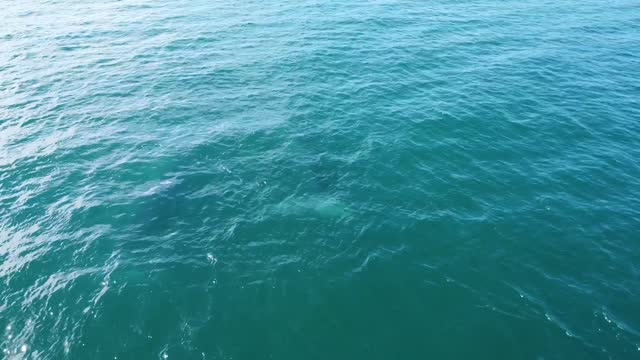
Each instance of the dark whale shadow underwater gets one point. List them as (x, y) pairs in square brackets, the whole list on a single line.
[(325, 174), (189, 198)]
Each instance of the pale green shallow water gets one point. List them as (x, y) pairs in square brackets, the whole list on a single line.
[(320, 179)]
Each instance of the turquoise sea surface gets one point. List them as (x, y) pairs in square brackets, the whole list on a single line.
[(320, 179)]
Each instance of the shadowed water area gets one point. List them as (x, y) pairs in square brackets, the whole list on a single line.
[(319, 179)]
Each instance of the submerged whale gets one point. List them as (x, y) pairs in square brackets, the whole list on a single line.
[(321, 205)]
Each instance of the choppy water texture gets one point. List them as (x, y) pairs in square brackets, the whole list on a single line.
[(319, 179)]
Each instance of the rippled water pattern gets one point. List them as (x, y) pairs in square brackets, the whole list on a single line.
[(320, 179)]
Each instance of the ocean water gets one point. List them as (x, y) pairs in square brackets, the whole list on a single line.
[(320, 179)]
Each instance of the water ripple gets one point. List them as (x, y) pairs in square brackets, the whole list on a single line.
[(380, 179)]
